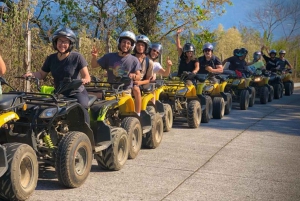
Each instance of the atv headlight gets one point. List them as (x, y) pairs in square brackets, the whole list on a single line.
[(257, 79), (181, 92), (48, 113), (235, 82)]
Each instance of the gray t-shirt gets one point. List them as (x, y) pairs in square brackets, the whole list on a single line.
[(116, 65)]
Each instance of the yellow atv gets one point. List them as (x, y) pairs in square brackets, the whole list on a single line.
[(260, 82), (240, 89), (212, 88), (18, 161), (288, 82), (180, 93), (168, 114)]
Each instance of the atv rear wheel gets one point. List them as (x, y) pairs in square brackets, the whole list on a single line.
[(194, 114), (264, 95), (207, 112), (116, 155), (167, 118), (218, 107), (252, 99), (271, 94), (228, 105), (244, 99), (134, 130), (153, 138), (288, 88), (21, 177)]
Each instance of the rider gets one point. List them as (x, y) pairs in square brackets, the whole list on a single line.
[(154, 51), (188, 62), (66, 63), (282, 61), (272, 61), (257, 62), (120, 63), (140, 50), (209, 63), (238, 63)]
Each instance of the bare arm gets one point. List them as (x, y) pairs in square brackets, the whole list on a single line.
[(2, 66), (166, 72), (94, 62), (195, 71), (178, 45), (85, 75)]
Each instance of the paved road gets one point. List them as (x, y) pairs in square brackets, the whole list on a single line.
[(248, 155)]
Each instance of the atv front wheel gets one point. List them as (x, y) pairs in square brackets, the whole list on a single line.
[(134, 130), (252, 99), (167, 118), (244, 99), (271, 94), (153, 138), (73, 159), (194, 114), (116, 155), (21, 177), (207, 112), (264, 95), (228, 105), (218, 107), (277, 91)]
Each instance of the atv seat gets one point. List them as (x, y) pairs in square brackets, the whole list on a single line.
[(6, 100), (92, 99)]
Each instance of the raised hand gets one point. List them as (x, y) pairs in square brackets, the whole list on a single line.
[(169, 62), (94, 52)]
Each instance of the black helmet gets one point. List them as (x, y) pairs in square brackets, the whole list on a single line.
[(236, 52), (272, 52), (243, 52), (188, 47), (127, 35), (64, 32), (145, 40)]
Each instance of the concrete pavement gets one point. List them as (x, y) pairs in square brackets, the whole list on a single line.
[(248, 155)]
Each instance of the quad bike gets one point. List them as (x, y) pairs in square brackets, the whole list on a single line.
[(240, 90), (275, 80), (142, 130), (264, 91), (168, 114), (115, 156), (180, 93), (288, 83), (218, 102), (18, 161), (55, 127)]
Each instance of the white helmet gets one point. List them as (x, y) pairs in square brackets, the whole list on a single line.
[(127, 35)]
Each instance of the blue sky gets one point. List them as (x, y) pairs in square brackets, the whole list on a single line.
[(238, 14)]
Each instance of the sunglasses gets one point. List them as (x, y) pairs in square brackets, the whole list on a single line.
[(155, 51)]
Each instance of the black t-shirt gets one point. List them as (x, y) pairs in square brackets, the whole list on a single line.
[(271, 63), (183, 66), (204, 63), (69, 67), (236, 63)]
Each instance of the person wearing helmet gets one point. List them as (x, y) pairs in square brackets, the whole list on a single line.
[(66, 63), (257, 62), (238, 63), (142, 45), (154, 51), (236, 52), (272, 61), (120, 63), (188, 62), (209, 63), (282, 61)]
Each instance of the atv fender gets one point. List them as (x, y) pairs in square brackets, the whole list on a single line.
[(8, 116), (160, 108), (145, 120), (126, 104), (103, 138), (146, 99), (158, 92), (3, 161)]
